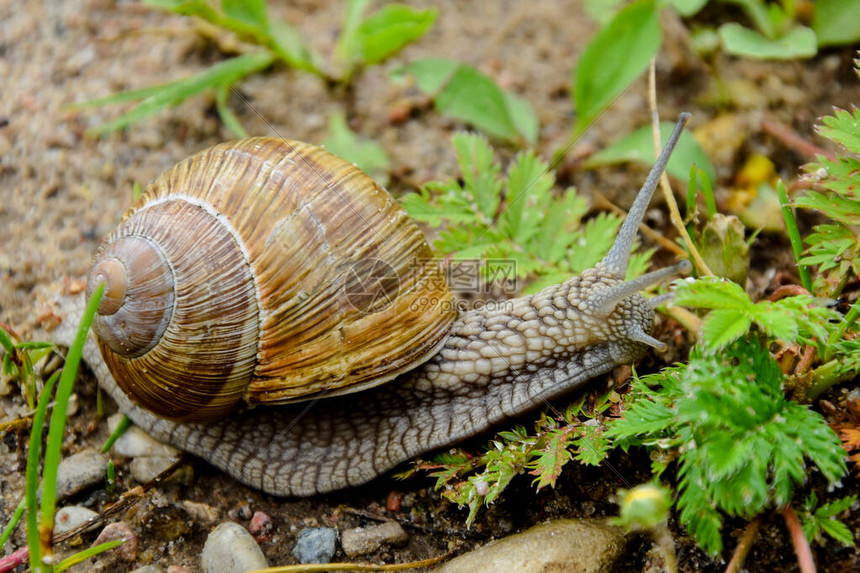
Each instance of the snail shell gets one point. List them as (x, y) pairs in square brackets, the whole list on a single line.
[(264, 271)]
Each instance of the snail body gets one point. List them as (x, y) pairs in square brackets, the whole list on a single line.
[(448, 377)]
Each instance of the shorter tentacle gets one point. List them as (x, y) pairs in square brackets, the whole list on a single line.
[(604, 301)]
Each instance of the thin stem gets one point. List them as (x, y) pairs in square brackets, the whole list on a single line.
[(743, 548), (674, 213), (798, 539)]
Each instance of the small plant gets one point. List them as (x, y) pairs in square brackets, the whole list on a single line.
[(364, 41), (462, 92), (740, 444), (821, 519), (473, 481), (515, 217), (39, 504), (835, 247)]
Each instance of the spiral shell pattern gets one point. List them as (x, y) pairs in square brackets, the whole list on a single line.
[(268, 271)]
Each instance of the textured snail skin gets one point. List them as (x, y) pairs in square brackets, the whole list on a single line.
[(494, 365)]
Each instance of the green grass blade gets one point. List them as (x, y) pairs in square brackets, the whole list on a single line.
[(6, 342), (793, 236), (32, 473), (58, 422), (124, 424), (227, 115), (174, 93), (13, 522), (86, 554)]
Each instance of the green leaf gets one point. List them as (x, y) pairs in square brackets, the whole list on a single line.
[(524, 117), (614, 58), (251, 12), (798, 42), (723, 326), (431, 74), (366, 154), (639, 147), (836, 22), (287, 45), (776, 320), (687, 8), (712, 293), (475, 98), (464, 93), (549, 461), (838, 531), (390, 29), (528, 186), (843, 127), (479, 168)]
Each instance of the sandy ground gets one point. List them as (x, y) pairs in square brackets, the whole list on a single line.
[(61, 191)]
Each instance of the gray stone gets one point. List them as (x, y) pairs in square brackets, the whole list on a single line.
[(79, 472), (563, 546), (68, 518), (364, 540), (315, 545), (231, 549), (147, 468), (136, 443)]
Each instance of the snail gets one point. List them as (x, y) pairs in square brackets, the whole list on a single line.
[(268, 271)]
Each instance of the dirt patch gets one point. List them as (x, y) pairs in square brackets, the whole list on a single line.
[(60, 192)]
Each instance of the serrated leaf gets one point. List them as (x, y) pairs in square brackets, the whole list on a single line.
[(712, 293), (549, 461), (798, 42), (480, 171), (838, 531), (594, 242), (639, 147), (591, 446), (528, 187), (843, 127), (614, 58), (776, 320)]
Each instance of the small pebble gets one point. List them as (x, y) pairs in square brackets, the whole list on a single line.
[(149, 569), (147, 468), (261, 527), (137, 443), (80, 471), (68, 518), (241, 512), (393, 501), (364, 540), (231, 549), (201, 511), (120, 530), (315, 545), (179, 569)]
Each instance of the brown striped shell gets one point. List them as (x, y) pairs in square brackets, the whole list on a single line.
[(267, 271)]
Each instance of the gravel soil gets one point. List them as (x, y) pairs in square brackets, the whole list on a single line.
[(61, 191)]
